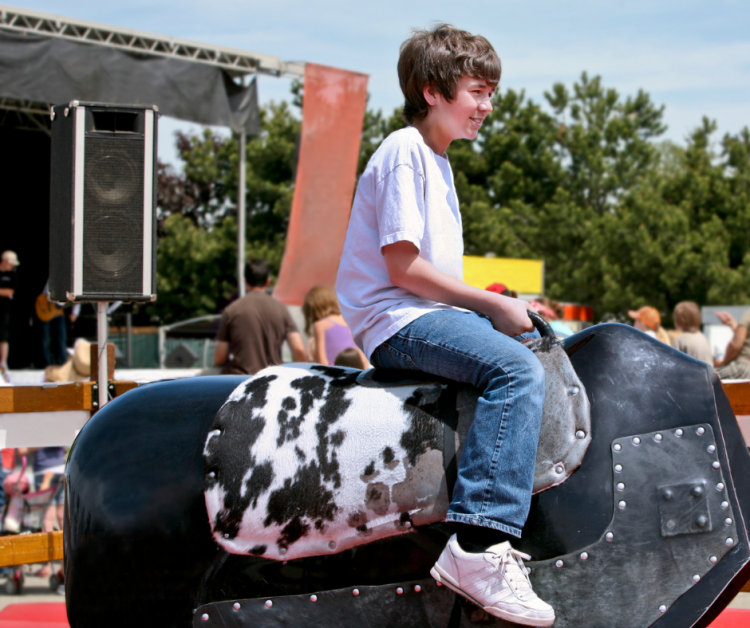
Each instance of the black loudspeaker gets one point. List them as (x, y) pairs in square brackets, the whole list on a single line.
[(102, 202)]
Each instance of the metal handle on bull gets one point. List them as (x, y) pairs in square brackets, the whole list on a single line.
[(542, 326)]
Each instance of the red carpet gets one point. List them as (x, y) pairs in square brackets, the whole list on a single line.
[(34, 615), (52, 615), (730, 618)]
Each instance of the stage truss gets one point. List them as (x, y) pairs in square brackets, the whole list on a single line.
[(237, 63)]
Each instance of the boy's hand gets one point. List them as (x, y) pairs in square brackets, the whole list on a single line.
[(510, 316)]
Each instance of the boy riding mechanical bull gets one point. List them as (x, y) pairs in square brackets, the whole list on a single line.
[(316, 496), (401, 290)]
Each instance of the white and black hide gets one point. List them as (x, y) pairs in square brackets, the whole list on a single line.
[(303, 460)]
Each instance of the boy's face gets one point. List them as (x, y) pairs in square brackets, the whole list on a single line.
[(462, 117)]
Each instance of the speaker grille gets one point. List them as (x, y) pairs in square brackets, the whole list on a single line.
[(113, 215)]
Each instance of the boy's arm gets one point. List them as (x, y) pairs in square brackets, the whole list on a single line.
[(409, 271)]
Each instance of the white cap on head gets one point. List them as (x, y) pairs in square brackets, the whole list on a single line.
[(11, 258)]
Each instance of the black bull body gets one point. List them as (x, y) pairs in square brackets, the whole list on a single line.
[(649, 530)]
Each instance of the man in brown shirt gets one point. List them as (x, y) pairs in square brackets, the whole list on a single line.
[(254, 327)]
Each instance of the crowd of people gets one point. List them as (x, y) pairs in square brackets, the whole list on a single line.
[(254, 328)]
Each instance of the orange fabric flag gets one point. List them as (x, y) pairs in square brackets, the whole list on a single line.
[(332, 114)]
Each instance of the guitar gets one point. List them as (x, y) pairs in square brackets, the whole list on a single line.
[(46, 310)]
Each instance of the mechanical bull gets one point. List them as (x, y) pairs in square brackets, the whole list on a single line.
[(314, 496)]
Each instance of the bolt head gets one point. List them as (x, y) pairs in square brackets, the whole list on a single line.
[(417, 588), (724, 505), (715, 464), (204, 617), (559, 563), (313, 598), (701, 521), (713, 560), (236, 606), (700, 431), (720, 486), (696, 578), (621, 505), (662, 609), (618, 468), (658, 437), (617, 447), (282, 550), (679, 432), (727, 522), (559, 469), (636, 440), (580, 434), (573, 390), (226, 535), (697, 491), (355, 592), (584, 556), (407, 524), (400, 591), (212, 474), (332, 545), (269, 603), (609, 536), (729, 542), (620, 486), (711, 449)]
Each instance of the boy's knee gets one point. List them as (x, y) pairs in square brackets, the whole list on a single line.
[(531, 372)]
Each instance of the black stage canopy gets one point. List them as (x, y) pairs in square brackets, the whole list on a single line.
[(42, 66), (51, 70)]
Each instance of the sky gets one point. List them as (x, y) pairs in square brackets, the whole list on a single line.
[(693, 56)]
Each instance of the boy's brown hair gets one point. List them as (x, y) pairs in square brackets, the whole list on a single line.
[(440, 57), (687, 316)]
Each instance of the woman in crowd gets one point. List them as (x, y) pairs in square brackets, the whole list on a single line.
[(687, 319), (325, 327)]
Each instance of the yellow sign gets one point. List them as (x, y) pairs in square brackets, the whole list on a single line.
[(525, 276)]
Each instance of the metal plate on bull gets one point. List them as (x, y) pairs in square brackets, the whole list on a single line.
[(418, 604), (672, 522)]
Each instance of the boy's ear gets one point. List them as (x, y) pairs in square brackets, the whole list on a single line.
[(430, 94)]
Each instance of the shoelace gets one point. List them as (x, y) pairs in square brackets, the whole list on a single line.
[(510, 565)]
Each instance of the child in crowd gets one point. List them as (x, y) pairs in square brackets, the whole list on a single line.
[(325, 327), (401, 289), (351, 357)]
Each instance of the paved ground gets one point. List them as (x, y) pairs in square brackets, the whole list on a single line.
[(35, 590)]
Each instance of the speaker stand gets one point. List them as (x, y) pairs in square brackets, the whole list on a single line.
[(101, 338)]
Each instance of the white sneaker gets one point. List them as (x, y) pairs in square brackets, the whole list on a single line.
[(496, 580)]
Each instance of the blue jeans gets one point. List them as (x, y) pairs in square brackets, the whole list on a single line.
[(496, 472)]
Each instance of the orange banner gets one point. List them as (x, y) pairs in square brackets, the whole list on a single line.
[(332, 114)]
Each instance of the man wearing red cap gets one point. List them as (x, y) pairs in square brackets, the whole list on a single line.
[(648, 320)]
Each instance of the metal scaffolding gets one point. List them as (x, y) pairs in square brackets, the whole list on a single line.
[(234, 62)]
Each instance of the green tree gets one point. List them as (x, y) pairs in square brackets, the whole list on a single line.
[(197, 211), (582, 183)]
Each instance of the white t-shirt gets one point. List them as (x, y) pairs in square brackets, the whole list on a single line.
[(406, 193)]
